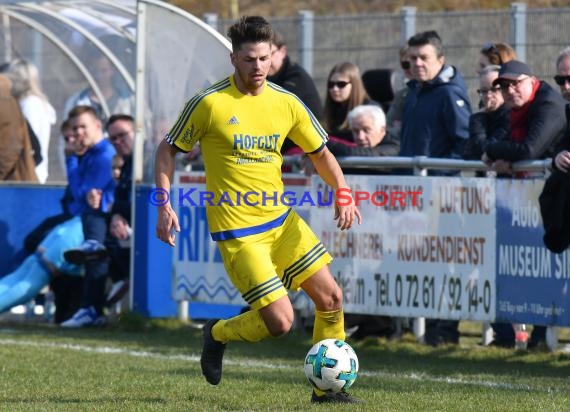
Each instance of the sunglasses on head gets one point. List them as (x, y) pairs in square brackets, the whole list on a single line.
[(561, 80), (340, 84), (405, 65)]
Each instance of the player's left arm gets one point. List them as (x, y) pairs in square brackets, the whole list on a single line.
[(329, 170)]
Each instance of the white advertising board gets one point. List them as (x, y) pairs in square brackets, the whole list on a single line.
[(432, 259)]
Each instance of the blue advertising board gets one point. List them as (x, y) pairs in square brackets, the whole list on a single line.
[(532, 282)]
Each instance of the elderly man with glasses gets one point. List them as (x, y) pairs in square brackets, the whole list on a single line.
[(537, 120)]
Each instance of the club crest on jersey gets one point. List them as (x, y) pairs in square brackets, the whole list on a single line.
[(233, 120), (187, 136)]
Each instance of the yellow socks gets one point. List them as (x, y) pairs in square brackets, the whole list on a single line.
[(328, 325), (246, 327)]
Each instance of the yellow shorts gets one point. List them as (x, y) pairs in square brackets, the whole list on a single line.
[(263, 266)]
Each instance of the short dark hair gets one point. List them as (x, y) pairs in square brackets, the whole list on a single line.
[(250, 29), (79, 110), (116, 117), (427, 37)]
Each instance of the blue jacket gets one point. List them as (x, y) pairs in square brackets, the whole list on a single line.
[(92, 172), (436, 116)]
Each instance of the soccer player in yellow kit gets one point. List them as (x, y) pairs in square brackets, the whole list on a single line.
[(241, 123)]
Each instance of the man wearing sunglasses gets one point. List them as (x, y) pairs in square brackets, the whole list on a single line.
[(562, 79), (537, 121)]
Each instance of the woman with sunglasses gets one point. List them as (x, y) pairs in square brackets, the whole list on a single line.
[(345, 91), (492, 122)]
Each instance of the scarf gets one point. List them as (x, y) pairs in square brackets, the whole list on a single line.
[(519, 118)]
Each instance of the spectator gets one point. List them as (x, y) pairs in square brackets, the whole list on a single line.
[(35, 106), (368, 126), (396, 111), (437, 109), (24, 283), (293, 78), (117, 99), (345, 91), (537, 124), (46, 244), (562, 158), (562, 79), (16, 158), (93, 188), (537, 120), (492, 122), (121, 131), (496, 54), (435, 124)]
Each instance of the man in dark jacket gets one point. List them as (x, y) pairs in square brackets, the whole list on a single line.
[(537, 119), (121, 131), (293, 78), (435, 124), (537, 125), (437, 108)]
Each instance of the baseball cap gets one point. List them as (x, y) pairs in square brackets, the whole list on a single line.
[(511, 70)]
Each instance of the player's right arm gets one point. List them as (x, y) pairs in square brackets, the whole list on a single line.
[(167, 221), (185, 133)]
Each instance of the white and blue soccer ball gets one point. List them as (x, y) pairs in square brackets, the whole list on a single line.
[(331, 365)]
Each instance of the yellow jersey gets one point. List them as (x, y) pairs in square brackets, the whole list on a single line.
[(240, 138)]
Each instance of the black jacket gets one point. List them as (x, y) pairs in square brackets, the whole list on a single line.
[(546, 127), (555, 210), (123, 198), (485, 128), (295, 79)]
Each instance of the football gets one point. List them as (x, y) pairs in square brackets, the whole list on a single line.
[(331, 365)]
